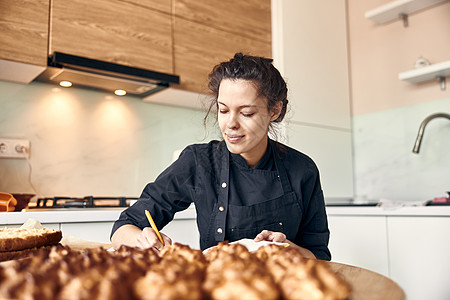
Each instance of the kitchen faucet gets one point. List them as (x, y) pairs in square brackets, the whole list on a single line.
[(422, 128)]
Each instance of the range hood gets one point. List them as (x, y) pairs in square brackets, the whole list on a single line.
[(106, 76)]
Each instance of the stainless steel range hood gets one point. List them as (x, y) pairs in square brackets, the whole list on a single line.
[(106, 76)]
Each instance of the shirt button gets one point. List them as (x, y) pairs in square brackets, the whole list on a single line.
[(224, 184), (219, 230), (281, 224), (221, 208)]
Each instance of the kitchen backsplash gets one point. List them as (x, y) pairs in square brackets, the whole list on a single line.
[(89, 143), (386, 167)]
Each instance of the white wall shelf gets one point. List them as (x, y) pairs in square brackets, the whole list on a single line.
[(431, 72), (399, 9)]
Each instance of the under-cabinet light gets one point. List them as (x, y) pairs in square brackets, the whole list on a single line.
[(65, 83), (120, 92)]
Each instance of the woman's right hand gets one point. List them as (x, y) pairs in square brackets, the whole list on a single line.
[(148, 239)]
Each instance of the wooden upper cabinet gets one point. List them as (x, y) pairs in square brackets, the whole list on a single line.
[(124, 32), (24, 31), (198, 48), (160, 5), (249, 18), (209, 32)]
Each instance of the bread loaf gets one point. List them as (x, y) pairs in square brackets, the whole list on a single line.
[(14, 239), (20, 254)]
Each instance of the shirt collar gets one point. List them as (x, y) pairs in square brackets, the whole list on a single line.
[(262, 164)]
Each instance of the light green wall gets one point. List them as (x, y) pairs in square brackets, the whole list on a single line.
[(386, 167), (86, 142)]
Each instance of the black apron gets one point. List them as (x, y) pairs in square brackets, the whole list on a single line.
[(232, 222)]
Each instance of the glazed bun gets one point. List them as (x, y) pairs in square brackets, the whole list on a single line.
[(227, 271)]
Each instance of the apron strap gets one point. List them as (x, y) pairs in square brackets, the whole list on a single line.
[(285, 184)]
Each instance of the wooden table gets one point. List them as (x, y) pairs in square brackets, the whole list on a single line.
[(366, 285)]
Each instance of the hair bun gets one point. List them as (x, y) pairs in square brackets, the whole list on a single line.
[(239, 56)]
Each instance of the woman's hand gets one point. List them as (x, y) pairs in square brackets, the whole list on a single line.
[(148, 239), (280, 237), (271, 236)]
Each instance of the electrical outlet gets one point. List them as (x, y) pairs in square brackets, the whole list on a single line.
[(14, 148)]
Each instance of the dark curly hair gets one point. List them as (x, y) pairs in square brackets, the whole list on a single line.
[(260, 71)]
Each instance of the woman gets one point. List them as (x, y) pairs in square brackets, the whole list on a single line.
[(247, 186)]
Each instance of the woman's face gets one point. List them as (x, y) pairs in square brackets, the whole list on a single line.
[(244, 119)]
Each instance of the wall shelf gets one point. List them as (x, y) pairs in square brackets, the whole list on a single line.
[(431, 72), (398, 9)]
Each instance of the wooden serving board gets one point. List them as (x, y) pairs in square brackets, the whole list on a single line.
[(368, 285), (78, 244)]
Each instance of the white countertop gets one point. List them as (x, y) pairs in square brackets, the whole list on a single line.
[(80, 215), (405, 211), (75, 215)]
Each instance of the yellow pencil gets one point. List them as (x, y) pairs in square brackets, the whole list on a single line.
[(152, 223)]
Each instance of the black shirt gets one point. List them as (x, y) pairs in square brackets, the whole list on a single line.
[(282, 193)]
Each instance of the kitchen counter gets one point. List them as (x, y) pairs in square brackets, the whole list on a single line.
[(406, 211), (94, 224), (71, 215), (75, 215)]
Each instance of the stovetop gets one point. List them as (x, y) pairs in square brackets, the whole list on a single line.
[(83, 202)]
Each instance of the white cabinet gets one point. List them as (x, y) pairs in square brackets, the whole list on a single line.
[(331, 150), (310, 49), (183, 231), (314, 60), (408, 245), (93, 232), (359, 241), (419, 249), (94, 225)]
